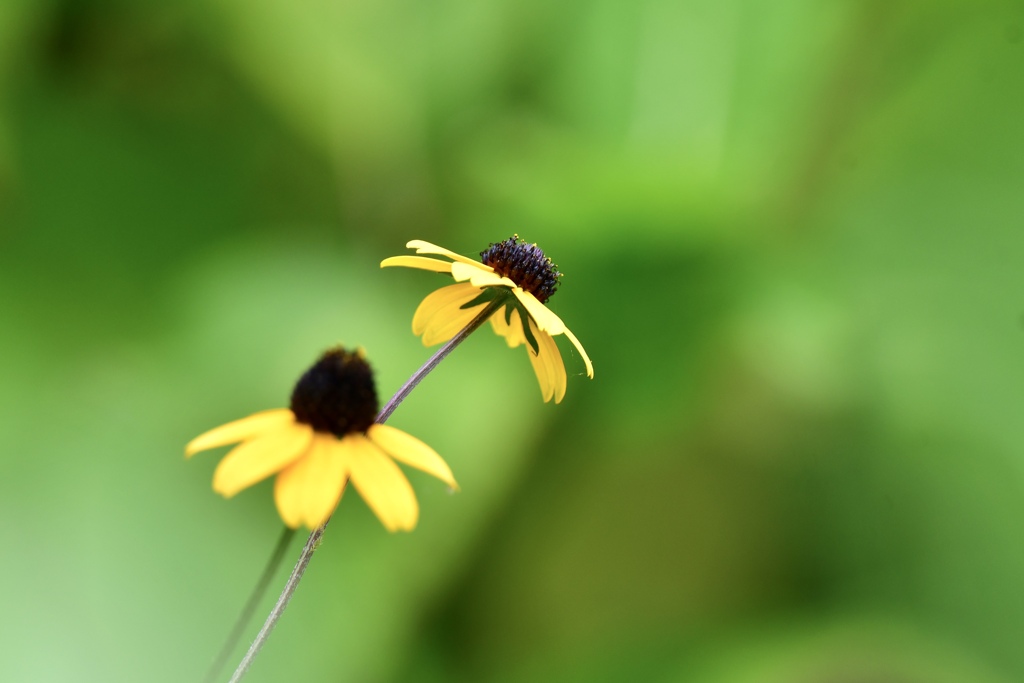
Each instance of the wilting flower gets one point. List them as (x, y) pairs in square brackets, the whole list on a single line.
[(518, 272), (327, 438)]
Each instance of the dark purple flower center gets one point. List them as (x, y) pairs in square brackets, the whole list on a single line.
[(524, 264), (337, 394)]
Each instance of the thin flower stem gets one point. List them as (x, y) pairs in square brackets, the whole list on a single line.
[(251, 604), (439, 356), (282, 602), (313, 542)]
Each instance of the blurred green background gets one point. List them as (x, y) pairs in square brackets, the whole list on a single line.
[(791, 238)]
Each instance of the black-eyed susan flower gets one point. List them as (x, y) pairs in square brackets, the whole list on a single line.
[(518, 272), (326, 439)]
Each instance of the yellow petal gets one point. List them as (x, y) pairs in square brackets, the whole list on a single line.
[(439, 301), (547, 364), (422, 247), (240, 430), (411, 451), (579, 347), (512, 331), (540, 368), (289, 487), (382, 485), (260, 457), (545, 319), (477, 277), (448, 322), (420, 262), (556, 368), (308, 490)]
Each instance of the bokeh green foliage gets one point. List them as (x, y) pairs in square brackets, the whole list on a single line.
[(792, 241)]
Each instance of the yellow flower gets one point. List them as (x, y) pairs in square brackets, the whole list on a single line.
[(327, 438), (514, 269)]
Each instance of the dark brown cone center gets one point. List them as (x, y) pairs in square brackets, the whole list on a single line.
[(337, 395), (525, 264)]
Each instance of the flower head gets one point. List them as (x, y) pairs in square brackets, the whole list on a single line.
[(324, 440), (513, 269)]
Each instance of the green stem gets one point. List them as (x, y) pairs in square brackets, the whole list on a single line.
[(439, 356), (251, 604)]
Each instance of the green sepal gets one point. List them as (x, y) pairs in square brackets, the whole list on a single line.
[(486, 295), (525, 319)]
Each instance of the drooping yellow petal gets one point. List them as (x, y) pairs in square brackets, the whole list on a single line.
[(447, 323), (541, 314), (540, 368), (260, 457), (512, 331), (422, 247), (411, 451), (558, 369), (240, 430), (547, 365), (308, 490), (477, 277), (289, 487), (420, 262), (381, 484), (438, 302), (579, 347)]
